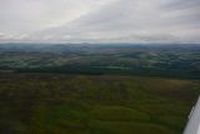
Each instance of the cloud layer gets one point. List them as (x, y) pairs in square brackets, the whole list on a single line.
[(105, 21)]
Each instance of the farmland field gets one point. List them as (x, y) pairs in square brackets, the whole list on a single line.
[(97, 89), (103, 104)]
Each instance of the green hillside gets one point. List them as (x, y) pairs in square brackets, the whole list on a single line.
[(82, 104), (172, 61)]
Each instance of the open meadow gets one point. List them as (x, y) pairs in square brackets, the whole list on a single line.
[(104, 104)]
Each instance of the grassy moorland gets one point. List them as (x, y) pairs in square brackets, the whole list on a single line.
[(104, 104)]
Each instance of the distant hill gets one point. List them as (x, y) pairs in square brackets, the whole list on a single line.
[(163, 60)]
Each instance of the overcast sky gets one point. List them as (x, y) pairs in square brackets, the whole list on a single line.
[(100, 21)]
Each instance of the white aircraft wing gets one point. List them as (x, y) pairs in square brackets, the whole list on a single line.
[(193, 125)]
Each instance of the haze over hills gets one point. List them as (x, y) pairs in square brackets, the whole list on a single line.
[(178, 61)]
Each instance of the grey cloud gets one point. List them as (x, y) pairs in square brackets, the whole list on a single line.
[(19, 16), (181, 4), (131, 21)]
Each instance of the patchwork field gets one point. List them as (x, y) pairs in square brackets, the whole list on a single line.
[(171, 61), (104, 104)]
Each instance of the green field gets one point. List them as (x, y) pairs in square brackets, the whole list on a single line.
[(171, 61), (104, 104)]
